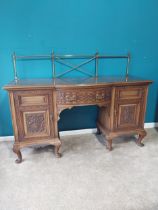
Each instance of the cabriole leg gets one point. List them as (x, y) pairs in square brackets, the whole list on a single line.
[(140, 138), (109, 143), (57, 153), (17, 151)]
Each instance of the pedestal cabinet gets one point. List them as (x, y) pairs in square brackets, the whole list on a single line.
[(125, 114), (33, 115)]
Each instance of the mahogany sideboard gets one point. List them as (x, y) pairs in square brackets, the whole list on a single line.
[(36, 106)]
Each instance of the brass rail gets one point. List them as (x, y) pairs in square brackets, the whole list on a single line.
[(60, 59)]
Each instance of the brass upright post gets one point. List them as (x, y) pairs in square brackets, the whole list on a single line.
[(53, 64), (127, 67), (96, 64), (14, 67)]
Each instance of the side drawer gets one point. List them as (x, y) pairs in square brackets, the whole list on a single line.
[(129, 92), (32, 97)]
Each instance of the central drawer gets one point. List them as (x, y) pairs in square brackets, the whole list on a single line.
[(83, 96)]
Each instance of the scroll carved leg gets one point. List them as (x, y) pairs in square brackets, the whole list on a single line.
[(57, 153), (17, 151), (140, 138), (109, 143)]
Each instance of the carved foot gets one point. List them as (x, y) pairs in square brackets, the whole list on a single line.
[(140, 138), (57, 153), (109, 144), (17, 151), (140, 144)]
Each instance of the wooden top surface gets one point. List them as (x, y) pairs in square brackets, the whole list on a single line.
[(75, 82)]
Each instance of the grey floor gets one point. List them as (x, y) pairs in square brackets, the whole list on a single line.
[(87, 177)]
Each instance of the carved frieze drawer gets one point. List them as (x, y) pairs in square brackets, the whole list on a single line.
[(83, 96)]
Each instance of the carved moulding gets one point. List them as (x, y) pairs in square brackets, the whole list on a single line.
[(61, 108)]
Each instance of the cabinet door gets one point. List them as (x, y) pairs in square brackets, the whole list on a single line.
[(34, 111), (127, 115)]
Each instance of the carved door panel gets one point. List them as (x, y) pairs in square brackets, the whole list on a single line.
[(34, 110), (127, 115), (36, 123)]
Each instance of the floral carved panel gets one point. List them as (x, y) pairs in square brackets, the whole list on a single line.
[(36, 123), (128, 115)]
